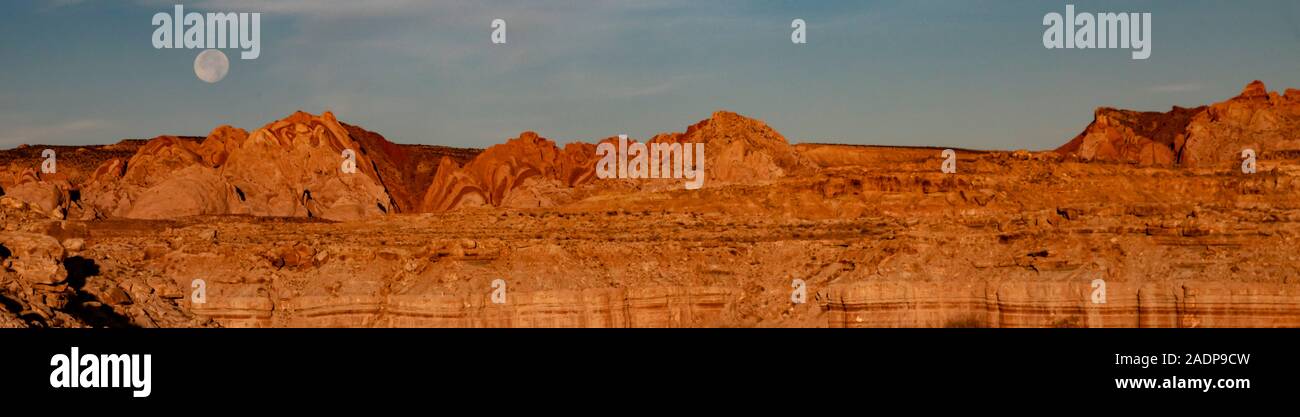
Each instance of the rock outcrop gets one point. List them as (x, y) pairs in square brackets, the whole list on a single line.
[(46, 282), (53, 197), (878, 236), (1147, 138), (739, 149), (528, 171), (1208, 136), (531, 171), (36, 258), (289, 168), (293, 168)]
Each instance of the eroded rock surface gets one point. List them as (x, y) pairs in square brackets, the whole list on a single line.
[(48, 282), (1178, 236), (1206, 136), (289, 168)]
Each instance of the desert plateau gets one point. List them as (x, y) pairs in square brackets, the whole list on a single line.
[(1153, 207)]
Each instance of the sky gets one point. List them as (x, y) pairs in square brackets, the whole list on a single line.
[(960, 73)]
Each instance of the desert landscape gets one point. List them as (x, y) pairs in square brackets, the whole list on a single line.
[(1153, 204)]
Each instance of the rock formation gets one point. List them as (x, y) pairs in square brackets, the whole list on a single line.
[(52, 197), (879, 236), (292, 168), (739, 149), (531, 171), (289, 168), (528, 171), (1206, 136), (46, 282)]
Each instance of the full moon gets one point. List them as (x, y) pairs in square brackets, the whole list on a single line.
[(211, 65)]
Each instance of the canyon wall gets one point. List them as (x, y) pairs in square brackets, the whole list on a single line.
[(1152, 205), (1063, 304)]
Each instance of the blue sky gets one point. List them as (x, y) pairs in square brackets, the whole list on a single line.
[(960, 73)]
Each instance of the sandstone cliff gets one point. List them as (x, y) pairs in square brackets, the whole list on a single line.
[(289, 168), (879, 235), (739, 149), (528, 171), (1207, 136), (531, 171)]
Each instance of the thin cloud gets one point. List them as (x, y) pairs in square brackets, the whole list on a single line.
[(320, 8), (1176, 88), (51, 133), (434, 12), (653, 89), (53, 4)]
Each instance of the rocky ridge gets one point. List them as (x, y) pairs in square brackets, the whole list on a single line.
[(880, 236), (1210, 136)]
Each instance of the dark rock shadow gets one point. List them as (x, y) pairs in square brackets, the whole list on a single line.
[(16, 308), (84, 306)]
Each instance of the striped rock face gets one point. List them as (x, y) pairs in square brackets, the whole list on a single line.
[(240, 230), (289, 168)]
